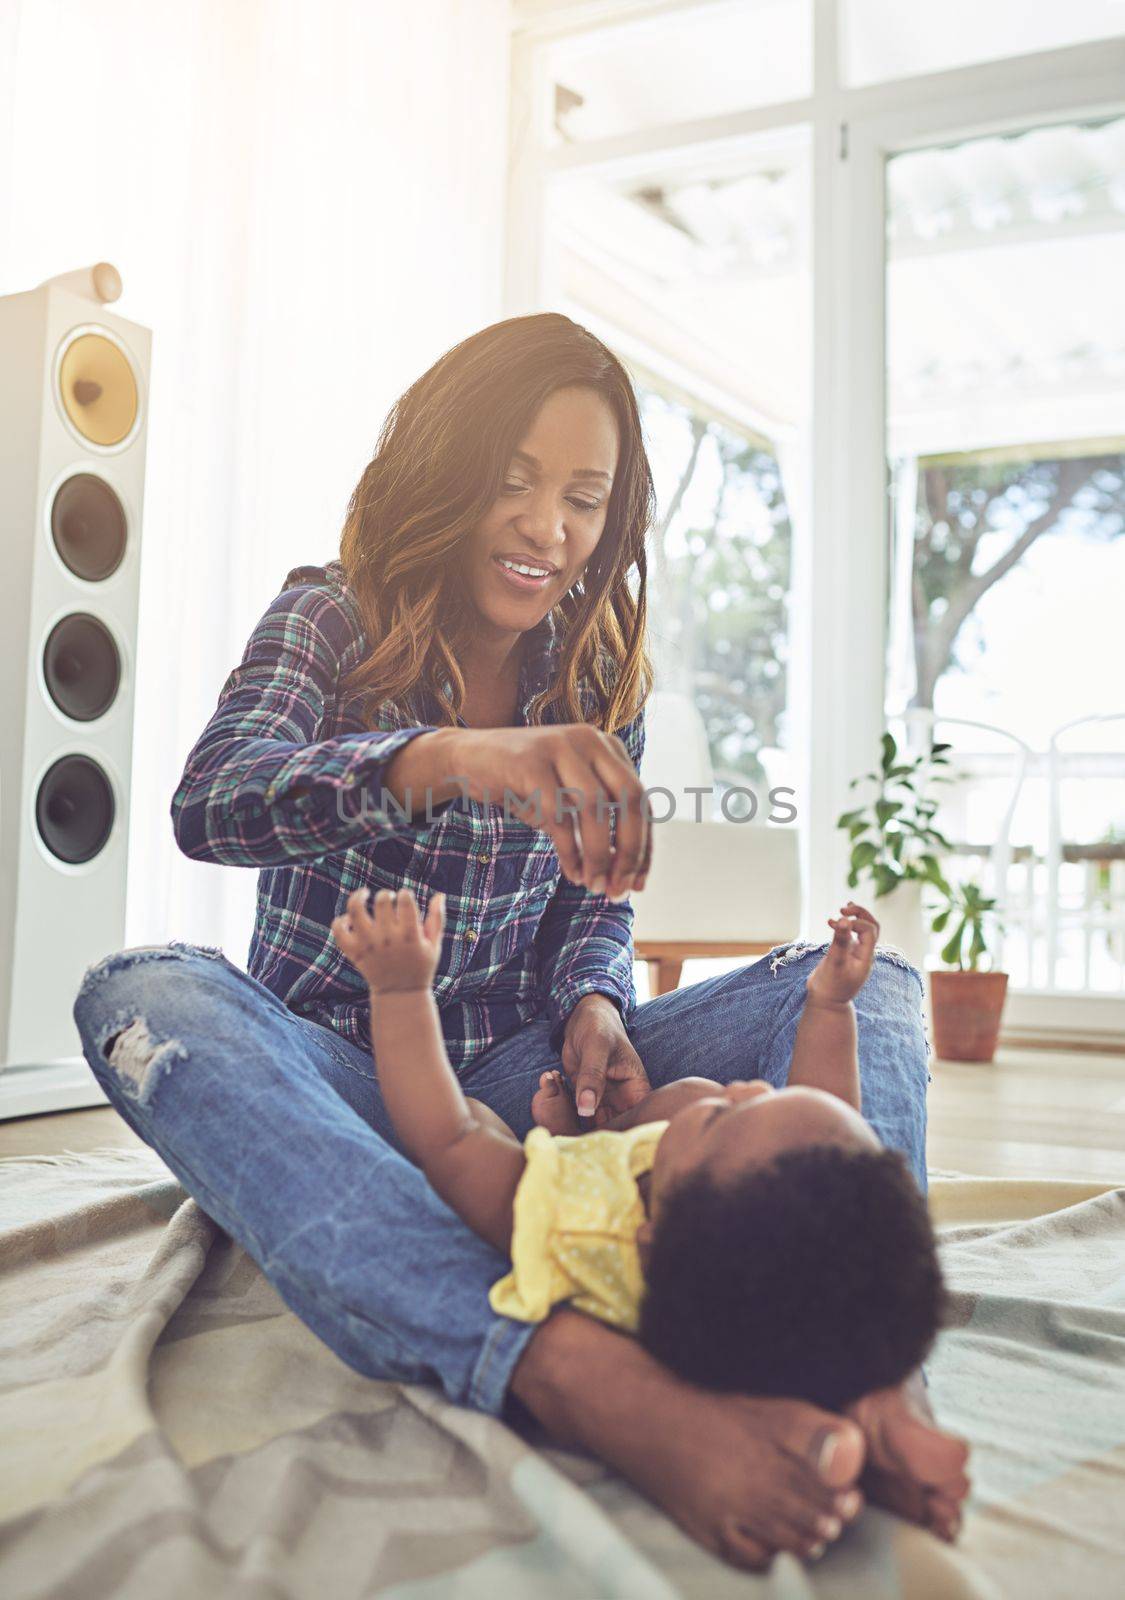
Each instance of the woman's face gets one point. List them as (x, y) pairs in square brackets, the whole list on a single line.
[(549, 514)]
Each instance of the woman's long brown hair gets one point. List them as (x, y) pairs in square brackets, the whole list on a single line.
[(440, 461)]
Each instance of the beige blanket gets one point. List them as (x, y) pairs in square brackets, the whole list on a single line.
[(169, 1428)]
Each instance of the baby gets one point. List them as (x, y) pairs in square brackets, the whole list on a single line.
[(756, 1240)]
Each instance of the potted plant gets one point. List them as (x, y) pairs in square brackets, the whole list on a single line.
[(893, 840), (967, 1003)]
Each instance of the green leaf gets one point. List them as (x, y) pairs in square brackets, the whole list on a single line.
[(951, 952), (885, 879), (908, 825), (885, 810), (863, 854), (890, 751), (941, 919), (931, 871)]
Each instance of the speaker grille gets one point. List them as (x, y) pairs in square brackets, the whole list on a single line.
[(74, 809), (82, 667), (88, 527), (97, 389)]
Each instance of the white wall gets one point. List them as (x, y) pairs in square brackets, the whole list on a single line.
[(306, 206)]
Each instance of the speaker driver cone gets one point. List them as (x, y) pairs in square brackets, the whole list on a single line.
[(74, 809), (97, 389), (82, 667), (88, 527)]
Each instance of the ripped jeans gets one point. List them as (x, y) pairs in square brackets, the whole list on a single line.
[(275, 1125)]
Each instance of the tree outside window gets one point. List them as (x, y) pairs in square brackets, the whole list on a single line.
[(719, 570)]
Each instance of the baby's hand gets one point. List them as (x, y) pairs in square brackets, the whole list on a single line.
[(846, 964), (391, 946)]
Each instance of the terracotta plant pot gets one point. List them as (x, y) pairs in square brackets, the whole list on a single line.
[(967, 1007)]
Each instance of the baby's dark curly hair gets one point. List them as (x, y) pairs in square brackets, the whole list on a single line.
[(814, 1276)]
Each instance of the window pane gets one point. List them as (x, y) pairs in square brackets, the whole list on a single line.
[(1006, 417), (884, 39), (698, 277), (698, 63), (719, 570)]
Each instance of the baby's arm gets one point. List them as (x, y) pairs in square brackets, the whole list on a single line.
[(824, 1051), (473, 1163)]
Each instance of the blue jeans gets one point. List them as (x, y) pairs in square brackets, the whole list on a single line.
[(275, 1125)]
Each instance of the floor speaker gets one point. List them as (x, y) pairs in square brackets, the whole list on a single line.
[(73, 424)]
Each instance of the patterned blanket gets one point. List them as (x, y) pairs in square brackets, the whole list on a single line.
[(168, 1427)]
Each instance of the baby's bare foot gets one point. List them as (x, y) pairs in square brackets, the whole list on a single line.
[(551, 1106), (913, 1468)]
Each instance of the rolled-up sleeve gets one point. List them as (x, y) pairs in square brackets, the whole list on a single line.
[(259, 787), (584, 942)]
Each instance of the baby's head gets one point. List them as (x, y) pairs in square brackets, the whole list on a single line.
[(787, 1251)]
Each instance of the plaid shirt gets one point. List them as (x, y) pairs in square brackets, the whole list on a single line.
[(280, 779)]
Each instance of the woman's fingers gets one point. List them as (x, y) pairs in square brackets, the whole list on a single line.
[(595, 770), (567, 781), (536, 805), (633, 818), (588, 807)]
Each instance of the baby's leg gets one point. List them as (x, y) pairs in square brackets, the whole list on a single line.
[(488, 1118), (553, 1106)]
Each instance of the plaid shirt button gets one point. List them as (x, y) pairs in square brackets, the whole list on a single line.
[(470, 933), (270, 793), (483, 855)]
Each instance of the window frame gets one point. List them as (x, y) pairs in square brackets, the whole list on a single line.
[(841, 547)]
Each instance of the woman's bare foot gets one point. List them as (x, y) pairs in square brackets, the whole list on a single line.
[(913, 1468), (551, 1106), (747, 1478)]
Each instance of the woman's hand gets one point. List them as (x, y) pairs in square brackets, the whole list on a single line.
[(562, 779), (598, 1057), (565, 778)]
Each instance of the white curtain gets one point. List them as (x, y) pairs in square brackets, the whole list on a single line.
[(306, 206)]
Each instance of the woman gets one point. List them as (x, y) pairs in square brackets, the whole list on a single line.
[(478, 642)]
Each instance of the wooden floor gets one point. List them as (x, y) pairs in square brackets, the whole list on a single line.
[(1030, 1113)]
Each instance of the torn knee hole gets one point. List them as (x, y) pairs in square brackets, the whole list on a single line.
[(134, 1054)]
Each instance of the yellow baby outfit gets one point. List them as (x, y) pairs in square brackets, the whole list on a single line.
[(575, 1219)]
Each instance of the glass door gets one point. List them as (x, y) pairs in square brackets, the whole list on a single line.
[(1006, 457)]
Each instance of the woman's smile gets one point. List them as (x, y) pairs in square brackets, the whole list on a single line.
[(527, 575)]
